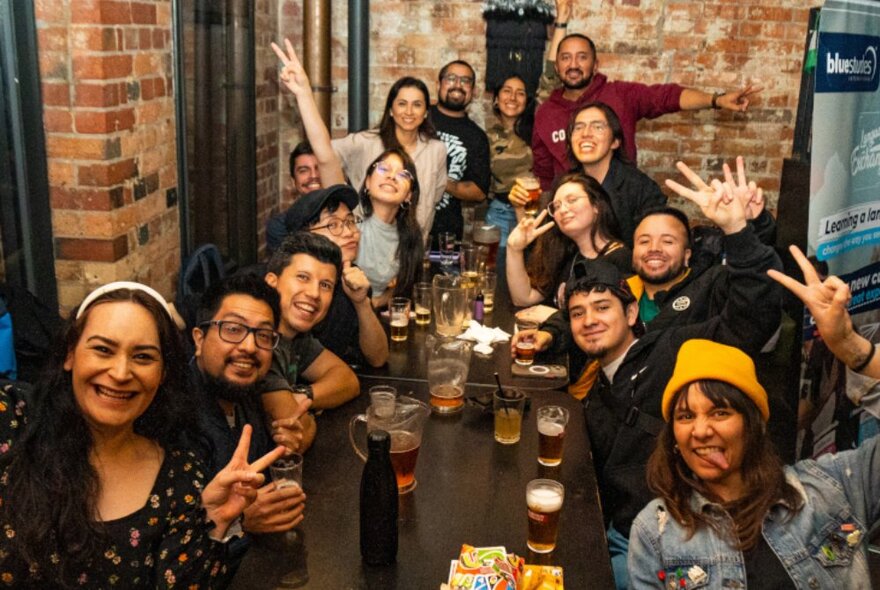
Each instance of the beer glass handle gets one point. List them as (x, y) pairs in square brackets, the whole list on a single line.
[(352, 426)]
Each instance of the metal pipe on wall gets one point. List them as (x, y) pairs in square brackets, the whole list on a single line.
[(358, 65), (316, 52)]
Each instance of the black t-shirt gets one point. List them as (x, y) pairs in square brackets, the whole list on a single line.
[(339, 331), (467, 159), (764, 571)]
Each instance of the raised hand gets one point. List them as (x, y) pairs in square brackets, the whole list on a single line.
[(288, 432), (826, 299), (716, 201), (563, 10), (738, 100), (292, 73), (235, 486), (527, 231), (355, 283), (748, 193)]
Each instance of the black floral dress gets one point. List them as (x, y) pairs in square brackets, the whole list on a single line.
[(163, 545)]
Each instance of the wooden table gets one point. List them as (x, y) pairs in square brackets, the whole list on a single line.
[(470, 490)]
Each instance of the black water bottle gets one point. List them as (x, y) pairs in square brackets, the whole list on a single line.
[(379, 502)]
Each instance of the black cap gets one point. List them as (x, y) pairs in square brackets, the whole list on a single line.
[(586, 274), (310, 205)]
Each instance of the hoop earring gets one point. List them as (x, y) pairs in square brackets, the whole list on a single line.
[(404, 206)]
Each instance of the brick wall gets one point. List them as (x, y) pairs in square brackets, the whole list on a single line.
[(106, 69), (269, 162), (707, 45)]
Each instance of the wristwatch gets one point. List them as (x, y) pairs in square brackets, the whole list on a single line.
[(304, 389)]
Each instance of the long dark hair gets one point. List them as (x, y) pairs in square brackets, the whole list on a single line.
[(613, 124), (553, 249), (765, 484), (52, 488), (388, 130), (526, 120), (410, 248)]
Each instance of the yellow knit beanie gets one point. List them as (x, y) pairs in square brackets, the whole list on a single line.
[(704, 359)]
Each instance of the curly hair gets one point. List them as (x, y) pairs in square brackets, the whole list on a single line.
[(52, 486), (410, 248)]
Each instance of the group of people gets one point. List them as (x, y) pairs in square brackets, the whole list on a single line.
[(130, 464)]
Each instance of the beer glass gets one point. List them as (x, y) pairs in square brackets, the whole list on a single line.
[(544, 500), (525, 346), (488, 236), (487, 286), (447, 248), (533, 186), (508, 406), (287, 471), (552, 421), (422, 303), (450, 304), (399, 318)]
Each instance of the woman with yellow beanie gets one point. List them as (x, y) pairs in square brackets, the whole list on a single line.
[(729, 514)]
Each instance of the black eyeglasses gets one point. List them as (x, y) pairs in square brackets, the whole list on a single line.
[(235, 332), (336, 226), (452, 79)]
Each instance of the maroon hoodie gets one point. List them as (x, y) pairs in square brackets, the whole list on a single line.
[(630, 100)]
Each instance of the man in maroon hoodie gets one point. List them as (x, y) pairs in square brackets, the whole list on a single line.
[(576, 66)]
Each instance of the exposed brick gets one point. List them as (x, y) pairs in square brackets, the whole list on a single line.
[(94, 38), (52, 39), (96, 95), (82, 148), (101, 67), (108, 12), (104, 122), (56, 94), (143, 14), (107, 174), (57, 120), (86, 199), (93, 250)]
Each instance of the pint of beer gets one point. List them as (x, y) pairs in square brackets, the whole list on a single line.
[(422, 303), (552, 421), (399, 318), (525, 351), (544, 499), (533, 186)]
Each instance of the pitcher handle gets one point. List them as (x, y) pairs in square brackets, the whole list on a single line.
[(352, 426)]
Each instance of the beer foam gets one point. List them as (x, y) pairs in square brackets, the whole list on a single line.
[(550, 428), (544, 500), (400, 323)]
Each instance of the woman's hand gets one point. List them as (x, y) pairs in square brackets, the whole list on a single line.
[(292, 73), (518, 196), (235, 487), (527, 231)]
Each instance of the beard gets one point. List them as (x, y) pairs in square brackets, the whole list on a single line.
[(673, 272), (221, 388), (454, 104), (580, 85)]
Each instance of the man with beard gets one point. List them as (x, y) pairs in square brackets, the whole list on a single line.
[(234, 340), (669, 288), (576, 66), (305, 177), (467, 147), (622, 408)]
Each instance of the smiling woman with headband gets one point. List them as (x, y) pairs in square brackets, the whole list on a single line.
[(729, 514), (95, 488)]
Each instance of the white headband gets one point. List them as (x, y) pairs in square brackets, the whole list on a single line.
[(110, 287)]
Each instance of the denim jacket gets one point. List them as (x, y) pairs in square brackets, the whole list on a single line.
[(822, 546)]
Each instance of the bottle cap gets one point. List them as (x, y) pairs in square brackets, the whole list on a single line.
[(379, 440)]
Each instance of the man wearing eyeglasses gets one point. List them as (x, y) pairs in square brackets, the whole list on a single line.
[(467, 147), (596, 144), (351, 329), (234, 342)]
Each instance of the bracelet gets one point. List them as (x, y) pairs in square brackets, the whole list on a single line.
[(861, 366), (715, 98), (560, 25)]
